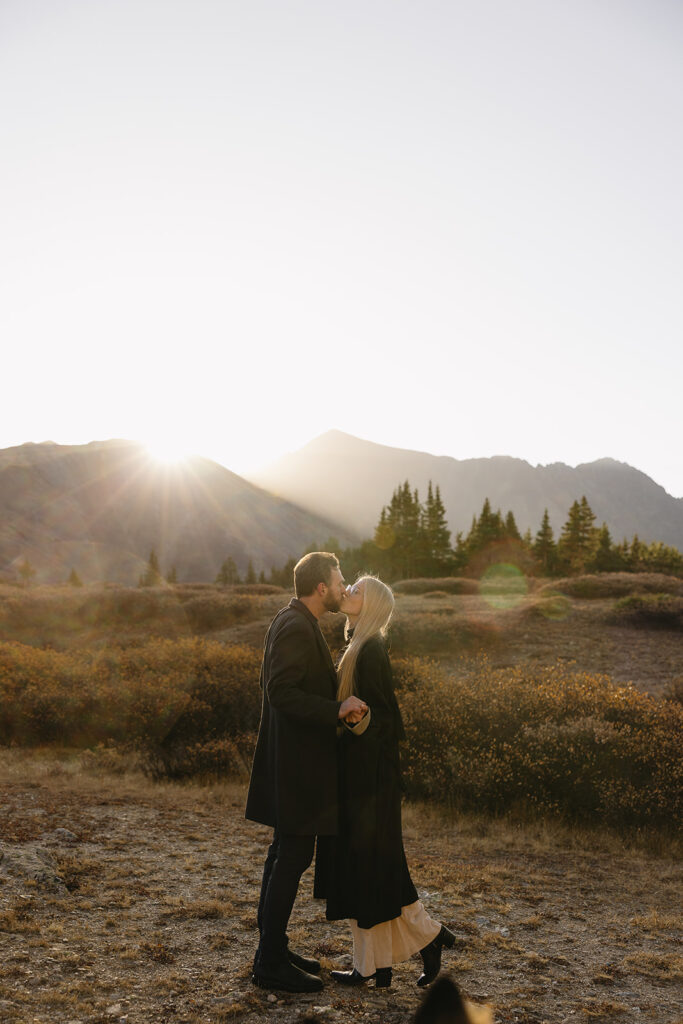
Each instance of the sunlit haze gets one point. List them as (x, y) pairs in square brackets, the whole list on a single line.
[(456, 227)]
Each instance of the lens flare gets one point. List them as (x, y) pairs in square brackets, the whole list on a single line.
[(385, 537), (503, 586)]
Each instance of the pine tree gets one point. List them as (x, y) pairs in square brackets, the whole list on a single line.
[(227, 574), (635, 555), (283, 577), (578, 540), (151, 577), (511, 531), (544, 547), (251, 574), (438, 535), (605, 558), (399, 533), (74, 579), (27, 572), (172, 575)]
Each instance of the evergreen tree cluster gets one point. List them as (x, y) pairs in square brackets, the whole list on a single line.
[(412, 539)]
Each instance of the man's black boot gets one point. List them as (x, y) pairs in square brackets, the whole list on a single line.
[(285, 977), (304, 963)]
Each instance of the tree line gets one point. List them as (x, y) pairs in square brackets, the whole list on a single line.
[(412, 539)]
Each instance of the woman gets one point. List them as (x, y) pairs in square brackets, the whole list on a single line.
[(363, 871)]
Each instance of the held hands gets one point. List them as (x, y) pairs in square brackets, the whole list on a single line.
[(353, 710)]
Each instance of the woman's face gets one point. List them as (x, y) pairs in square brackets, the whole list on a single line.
[(352, 601)]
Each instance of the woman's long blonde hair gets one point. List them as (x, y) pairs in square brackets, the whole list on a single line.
[(374, 618)]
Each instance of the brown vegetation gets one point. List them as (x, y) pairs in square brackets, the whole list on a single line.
[(154, 919), (552, 739)]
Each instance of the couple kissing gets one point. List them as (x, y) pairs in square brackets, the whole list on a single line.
[(326, 768)]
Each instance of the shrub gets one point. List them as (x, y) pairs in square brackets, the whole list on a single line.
[(649, 611), (547, 605), (160, 693), (261, 589), (448, 584), (216, 612), (52, 614), (615, 584), (543, 740), (207, 759)]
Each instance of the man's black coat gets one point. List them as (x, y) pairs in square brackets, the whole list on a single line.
[(293, 783)]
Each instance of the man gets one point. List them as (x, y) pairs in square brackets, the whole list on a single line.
[(293, 783)]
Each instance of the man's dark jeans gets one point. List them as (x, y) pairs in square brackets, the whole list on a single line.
[(288, 857)]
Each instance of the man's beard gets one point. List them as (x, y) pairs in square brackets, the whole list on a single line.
[(332, 604)]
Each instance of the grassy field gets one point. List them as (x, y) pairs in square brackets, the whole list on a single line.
[(579, 622), (143, 909)]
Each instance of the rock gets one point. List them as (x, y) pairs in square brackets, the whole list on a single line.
[(65, 835), (114, 1011), (272, 998), (27, 860)]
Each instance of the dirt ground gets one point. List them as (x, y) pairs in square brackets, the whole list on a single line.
[(650, 659), (143, 909)]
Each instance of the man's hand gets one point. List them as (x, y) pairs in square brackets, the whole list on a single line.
[(353, 709)]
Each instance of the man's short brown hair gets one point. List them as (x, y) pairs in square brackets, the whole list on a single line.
[(314, 568)]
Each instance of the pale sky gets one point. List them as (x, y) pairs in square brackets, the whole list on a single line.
[(227, 227)]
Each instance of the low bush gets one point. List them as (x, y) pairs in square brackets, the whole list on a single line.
[(547, 605), (546, 741), (157, 694), (50, 615), (261, 589), (649, 611), (448, 584), (615, 584), (442, 629), (542, 740), (217, 612)]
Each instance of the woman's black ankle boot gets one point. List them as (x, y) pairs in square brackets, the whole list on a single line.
[(382, 977), (431, 956)]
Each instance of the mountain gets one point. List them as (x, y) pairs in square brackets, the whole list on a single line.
[(351, 479), (100, 508)]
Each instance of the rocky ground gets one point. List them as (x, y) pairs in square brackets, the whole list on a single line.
[(127, 901)]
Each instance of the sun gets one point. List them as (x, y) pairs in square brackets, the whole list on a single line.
[(167, 451)]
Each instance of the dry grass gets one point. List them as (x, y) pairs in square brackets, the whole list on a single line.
[(551, 924)]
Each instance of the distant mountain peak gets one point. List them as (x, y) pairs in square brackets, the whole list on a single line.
[(338, 473)]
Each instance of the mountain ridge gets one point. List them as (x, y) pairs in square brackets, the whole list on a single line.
[(624, 497), (100, 508)]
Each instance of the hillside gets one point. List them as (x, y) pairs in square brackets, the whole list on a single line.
[(337, 474), (100, 508)]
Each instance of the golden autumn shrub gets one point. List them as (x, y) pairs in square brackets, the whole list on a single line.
[(186, 688), (541, 740), (544, 740)]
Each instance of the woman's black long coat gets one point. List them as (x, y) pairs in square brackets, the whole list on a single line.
[(362, 872)]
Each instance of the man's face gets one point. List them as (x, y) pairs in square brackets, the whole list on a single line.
[(333, 592)]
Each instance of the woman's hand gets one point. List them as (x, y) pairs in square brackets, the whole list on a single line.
[(353, 709)]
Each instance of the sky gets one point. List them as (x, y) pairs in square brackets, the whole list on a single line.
[(227, 227)]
